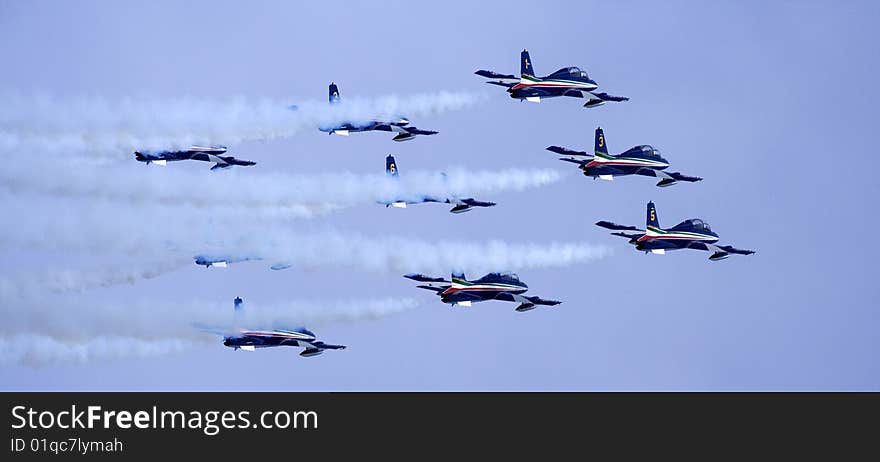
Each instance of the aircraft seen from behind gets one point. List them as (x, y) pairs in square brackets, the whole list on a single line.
[(459, 205), (689, 234), (400, 125), (494, 286), (568, 81), (202, 153), (639, 160), (251, 339)]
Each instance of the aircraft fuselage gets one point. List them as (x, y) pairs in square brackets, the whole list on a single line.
[(680, 236)]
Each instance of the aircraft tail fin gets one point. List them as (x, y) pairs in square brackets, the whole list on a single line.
[(601, 147), (526, 65), (334, 93), (652, 219), (458, 276), (391, 166)]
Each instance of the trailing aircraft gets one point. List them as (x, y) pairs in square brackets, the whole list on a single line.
[(460, 205), (693, 233), (251, 339), (399, 125), (494, 286), (642, 160), (202, 153)]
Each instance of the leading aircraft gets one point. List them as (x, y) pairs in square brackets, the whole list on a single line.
[(459, 291), (568, 81), (400, 125), (689, 234), (459, 205), (250, 340), (639, 160), (202, 153)]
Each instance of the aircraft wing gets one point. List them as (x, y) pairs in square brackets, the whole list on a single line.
[(594, 99), (569, 152), (615, 227), (499, 78), (495, 75), (464, 205), (607, 97), (422, 278), (419, 131), (719, 252), (731, 249), (502, 84), (471, 202), (525, 303), (667, 179)]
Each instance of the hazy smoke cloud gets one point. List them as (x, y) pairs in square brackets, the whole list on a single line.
[(40, 329), (39, 350), (279, 195), (107, 227), (112, 128)]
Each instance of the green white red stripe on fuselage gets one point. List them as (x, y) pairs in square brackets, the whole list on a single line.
[(657, 233), (530, 82), (600, 160)]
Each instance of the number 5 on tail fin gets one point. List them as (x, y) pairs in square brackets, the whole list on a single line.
[(652, 219)]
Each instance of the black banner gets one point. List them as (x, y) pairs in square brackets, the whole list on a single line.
[(300, 425)]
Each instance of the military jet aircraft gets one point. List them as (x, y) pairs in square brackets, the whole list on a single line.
[(401, 126), (250, 340), (459, 205), (209, 261), (202, 153), (639, 160), (494, 286), (568, 81), (689, 234)]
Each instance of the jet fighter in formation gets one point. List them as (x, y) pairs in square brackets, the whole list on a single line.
[(459, 205), (642, 160), (210, 261), (251, 339), (689, 234), (202, 153), (568, 81), (459, 291), (399, 125)]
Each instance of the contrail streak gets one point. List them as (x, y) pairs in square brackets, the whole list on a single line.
[(104, 228), (293, 195), (36, 350), (104, 127), (38, 329)]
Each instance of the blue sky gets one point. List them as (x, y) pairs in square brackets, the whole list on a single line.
[(773, 104)]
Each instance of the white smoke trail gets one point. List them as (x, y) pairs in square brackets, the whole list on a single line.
[(105, 228), (292, 195), (80, 280), (36, 350), (115, 128), (37, 329)]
